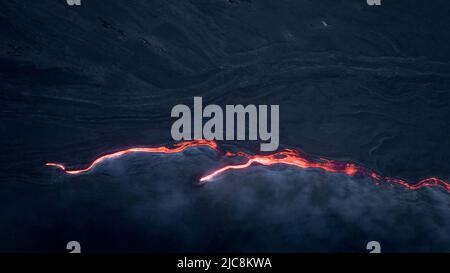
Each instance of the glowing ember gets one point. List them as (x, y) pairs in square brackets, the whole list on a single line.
[(287, 157)]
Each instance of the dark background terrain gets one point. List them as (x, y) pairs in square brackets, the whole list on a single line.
[(354, 82)]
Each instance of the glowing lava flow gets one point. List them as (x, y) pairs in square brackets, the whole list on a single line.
[(177, 148), (286, 157), (295, 158)]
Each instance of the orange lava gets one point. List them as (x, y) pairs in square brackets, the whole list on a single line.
[(177, 148), (295, 158), (287, 157)]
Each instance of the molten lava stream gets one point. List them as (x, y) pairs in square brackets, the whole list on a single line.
[(294, 158), (177, 148), (287, 157)]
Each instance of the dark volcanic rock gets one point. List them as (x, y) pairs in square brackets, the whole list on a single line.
[(354, 82)]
